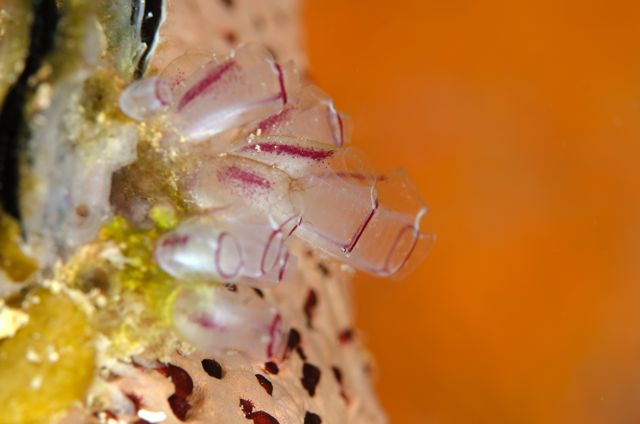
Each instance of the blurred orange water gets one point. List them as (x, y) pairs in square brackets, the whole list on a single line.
[(520, 122)]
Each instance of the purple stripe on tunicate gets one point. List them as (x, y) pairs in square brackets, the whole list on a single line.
[(271, 122), (247, 177), (162, 91), (236, 271), (360, 231), (175, 240), (348, 247), (206, 82), (291, 150), (283, 267), (206, 321), (298, 219), (265, 252), (273, 329), (283, 90)]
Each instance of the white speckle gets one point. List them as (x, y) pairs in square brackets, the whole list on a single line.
[(52, 354), (152, 416), (11, 320), (32, 356), (36, 382)]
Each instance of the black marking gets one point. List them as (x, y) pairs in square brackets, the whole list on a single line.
[(213, 368), (311, 418), (271, 367), (148, 32), (310, 378), (45, 22)]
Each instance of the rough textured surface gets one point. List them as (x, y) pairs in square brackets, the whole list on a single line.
[(206, 26), (77, 138), (342, 387)]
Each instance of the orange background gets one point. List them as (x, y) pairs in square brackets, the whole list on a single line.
[(520, 121)]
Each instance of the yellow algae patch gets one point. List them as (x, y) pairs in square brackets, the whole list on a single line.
[(139, 314), (49, 363), (13, 261)]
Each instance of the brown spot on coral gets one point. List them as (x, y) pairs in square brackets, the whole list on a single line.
[(311, 418), (265, 383), (294, 339), (246, 406), (179, 406), (259, 292), (345, 336), (183, 385), (213, 368), (136, 401), (337, 373), (258, 417), (181, 380), (261, 417), (301, 353), (309, 306), (230, 37), (324, 270), (310, 378), (271, 367)]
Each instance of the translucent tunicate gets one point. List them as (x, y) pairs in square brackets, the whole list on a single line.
[(217, 320)]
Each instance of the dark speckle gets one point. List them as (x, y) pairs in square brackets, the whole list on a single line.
[(258, 292), (301, 353), (82, 211), (181, 380), (227, 3), (294, 339), (310, 378), (337, 374), (230, 37), (324, 270), (311, 418), (346, 335), (246, 406), (310, 305), (258, 417), (183, 385), (265, 383), (213, 368), (271, 367), (136, 401), (261, 417), (231, 287), (179, 406)]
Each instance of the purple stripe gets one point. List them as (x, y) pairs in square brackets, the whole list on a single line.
[(283, 91), (287, 149), (272, 121), (236, 173), (360, 231), (206, 82)]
